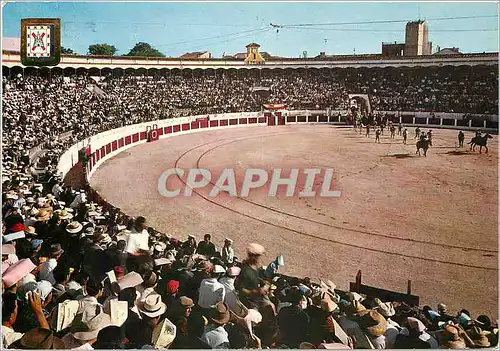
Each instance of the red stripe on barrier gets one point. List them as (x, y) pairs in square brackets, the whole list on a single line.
[(160, 131), (143, 136), (214, 123), (185, 126), (168, 129), (128, 140), (233, 121), (108, 148), (176, 128), (252, 120), (223, 122), (120, 143), (194, 125), (103, 151), (135, 137), (262, 120), (243, 121), (114, 145)]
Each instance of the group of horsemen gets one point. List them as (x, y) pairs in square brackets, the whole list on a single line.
[(379, 130), (421, 135)]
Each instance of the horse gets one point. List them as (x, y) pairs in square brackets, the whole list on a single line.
[(481, 141), (424, 145)]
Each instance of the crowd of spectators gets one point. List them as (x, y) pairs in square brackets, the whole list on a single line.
[(37, 107), (78, 275)]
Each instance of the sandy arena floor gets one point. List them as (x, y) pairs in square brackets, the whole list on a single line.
[(429, 219)]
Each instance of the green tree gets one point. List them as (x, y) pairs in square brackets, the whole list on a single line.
[(144, 50), (102, 49), (67, 51)]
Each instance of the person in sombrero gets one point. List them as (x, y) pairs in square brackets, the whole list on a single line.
[(349, 323), (374, 325), (214, 334), (41, 225), (151, 309)]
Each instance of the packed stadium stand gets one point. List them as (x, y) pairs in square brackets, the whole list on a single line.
[(60, 242)]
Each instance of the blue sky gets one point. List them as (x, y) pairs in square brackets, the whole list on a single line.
[(176, 28)]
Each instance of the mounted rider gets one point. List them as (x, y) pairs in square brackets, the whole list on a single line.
[(423, 137), (417, 133)]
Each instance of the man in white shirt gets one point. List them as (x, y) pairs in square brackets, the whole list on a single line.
[(211, 291), (80, 198), (57, 189), (138, 239), (46, 272)]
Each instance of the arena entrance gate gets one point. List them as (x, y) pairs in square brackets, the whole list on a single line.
[(274, 115), (152, 133), (361, 102)]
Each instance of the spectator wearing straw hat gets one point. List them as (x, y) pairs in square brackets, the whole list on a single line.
[(214, 333), (374, 325), (151, 311), (387, 310)]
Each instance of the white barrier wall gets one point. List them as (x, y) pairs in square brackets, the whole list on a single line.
[(108, 144), (70, 157)]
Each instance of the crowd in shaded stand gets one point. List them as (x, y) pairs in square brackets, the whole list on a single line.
[(77, 275)]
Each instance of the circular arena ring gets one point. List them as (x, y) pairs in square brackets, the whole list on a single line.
[(400, 216)]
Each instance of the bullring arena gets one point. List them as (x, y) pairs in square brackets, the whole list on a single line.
[(401, 216), (94, 143)]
